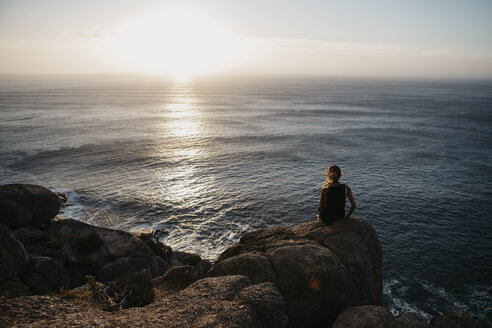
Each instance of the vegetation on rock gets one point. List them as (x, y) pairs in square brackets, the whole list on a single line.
[(132, 290)]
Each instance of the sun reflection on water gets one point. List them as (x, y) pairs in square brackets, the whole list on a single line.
[(182, 116), (181, 127)]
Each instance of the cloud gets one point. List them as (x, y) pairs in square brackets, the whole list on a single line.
[(319, 57)]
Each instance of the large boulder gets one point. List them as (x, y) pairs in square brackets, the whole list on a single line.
[(314, 283), (228, 301), (94, 247), (255, 266), (356, 244), (123, 266), (453, 320), (266, 305), (39, 201), (179, 277), (13, 256), (320, 270)]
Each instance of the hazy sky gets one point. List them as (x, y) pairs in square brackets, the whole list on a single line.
[(438, 38)]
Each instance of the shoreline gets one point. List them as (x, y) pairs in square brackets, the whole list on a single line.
[(338, 265)]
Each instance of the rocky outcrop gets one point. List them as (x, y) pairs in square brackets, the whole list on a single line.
[(308, 275), (320, 270), (40, 202), (230, 301), (47, 254), (377, 317)]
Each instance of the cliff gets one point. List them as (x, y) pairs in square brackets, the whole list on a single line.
[(308, 275)]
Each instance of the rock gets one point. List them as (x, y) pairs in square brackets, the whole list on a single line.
[(252, 265), (453, 320), (266, 304), (369, 316), (319, 269), (312, 281), (182, 258), (29, 234), (75, 277), (227, 301), (158, 248), (365, 317), (411, 320), (356, 244), (39, 201), (224, 288), (13, 215), (13, 256), (46, 275), (180, 277), (94, 247), (135, 262), (51, 248)]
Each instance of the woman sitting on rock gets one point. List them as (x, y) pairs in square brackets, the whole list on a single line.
[(331, 205)]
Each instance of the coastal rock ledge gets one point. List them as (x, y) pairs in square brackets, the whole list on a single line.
[(319, 270), (66, 273)]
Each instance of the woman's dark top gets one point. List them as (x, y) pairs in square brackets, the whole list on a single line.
[(332, 204)]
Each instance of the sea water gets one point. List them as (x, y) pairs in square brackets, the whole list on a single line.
[(211, 159)]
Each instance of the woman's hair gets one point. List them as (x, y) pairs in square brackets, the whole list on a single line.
[(333, 174)]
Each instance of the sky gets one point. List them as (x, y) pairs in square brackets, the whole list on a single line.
[(394, 38)]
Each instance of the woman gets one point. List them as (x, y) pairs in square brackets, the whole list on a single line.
[(331, 205)]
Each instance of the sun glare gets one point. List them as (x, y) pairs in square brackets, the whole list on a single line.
[(180, 43)]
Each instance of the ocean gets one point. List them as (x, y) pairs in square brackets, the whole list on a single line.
[(211, 159)]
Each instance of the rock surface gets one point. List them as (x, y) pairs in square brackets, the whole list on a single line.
[(179, 277), (411, 320), (107, 244), (453, 320), (39, 201), (63, 252), (155, 265), (370, 316), (13, 256), (46, 275), (365, 317), (255, 266), (212, 302), (13, 215), (320, 270)]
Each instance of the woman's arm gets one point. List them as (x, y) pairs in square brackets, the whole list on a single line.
[(352, 203), (321, 203)]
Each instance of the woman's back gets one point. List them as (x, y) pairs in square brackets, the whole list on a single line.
[(332, 203)]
